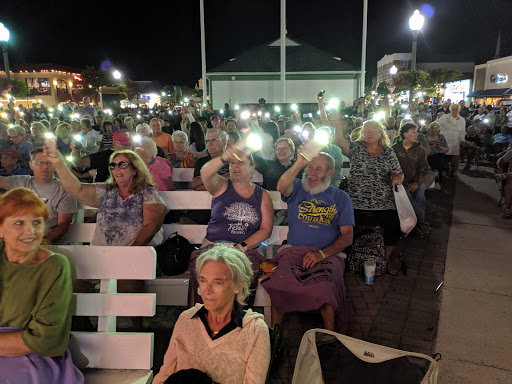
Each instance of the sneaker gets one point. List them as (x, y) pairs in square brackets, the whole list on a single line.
[(437, 186)]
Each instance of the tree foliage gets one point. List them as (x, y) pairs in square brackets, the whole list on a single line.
[(16, 88)]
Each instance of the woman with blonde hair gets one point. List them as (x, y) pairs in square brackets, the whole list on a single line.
[(130, 210), (374, 172), (63, 133)]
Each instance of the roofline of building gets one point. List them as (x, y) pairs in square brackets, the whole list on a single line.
[(288, 73)]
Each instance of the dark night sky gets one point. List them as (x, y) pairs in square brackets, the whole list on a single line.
[(162, 42)]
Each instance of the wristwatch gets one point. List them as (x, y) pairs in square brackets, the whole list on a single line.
[(243, 246)]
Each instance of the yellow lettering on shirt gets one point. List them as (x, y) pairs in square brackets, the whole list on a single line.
[(311, 213)]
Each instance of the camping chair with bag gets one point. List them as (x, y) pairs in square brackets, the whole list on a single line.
[(329, 357)]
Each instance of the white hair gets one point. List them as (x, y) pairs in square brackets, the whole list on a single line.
[(149, 146), (144, 129), (180, 133), (238, 264), (222, 134)]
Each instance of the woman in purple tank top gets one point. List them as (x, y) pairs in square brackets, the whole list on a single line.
[(242, 212)]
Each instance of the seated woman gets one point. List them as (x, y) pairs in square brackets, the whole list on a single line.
[(242, 212), (181, 158), (63, 133), (130, 210), (159, 167), (34, 331), (438, 147), (471, 146), (219, 338)]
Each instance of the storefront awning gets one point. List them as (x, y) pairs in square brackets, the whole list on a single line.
[(493, 92), (475, 93), (508, 93)]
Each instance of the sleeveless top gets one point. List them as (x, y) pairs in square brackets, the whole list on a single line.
[(234, 218)]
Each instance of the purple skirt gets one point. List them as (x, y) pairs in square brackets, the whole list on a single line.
[(293, 288), (35, 369), (193, 297)]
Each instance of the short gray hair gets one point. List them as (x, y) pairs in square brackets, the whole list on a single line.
[(144, 129), (17, 129), (37, 125), (454, 105), (222, 134), (149, 146), (238, 264), (128, 118), (180, 133)]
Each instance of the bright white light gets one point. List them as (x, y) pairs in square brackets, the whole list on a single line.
[(69, 158), (221, 111), (259, 113), (294, 107), (78, 137), (138, 117), (22, 113), (317, 112), (393, 70), (59, 108), (267, 115), (379, 115), (403, 106), (321, 137), (170, 112), (277, 108), (374, 92), (4, 115), (334, 103), (407, 117), (297, 128), (49, 135), (254, 141), (39, 101), (116, 74), (164, 94), (305, 134), (51, 109), (70, 84), (416, 21), (16, 109), (186, 99), (4, 33), (137, 138), (237, 107), (422, 122), (245, 115), (310, 114), (486, 120), (50, 114), (108, 111)]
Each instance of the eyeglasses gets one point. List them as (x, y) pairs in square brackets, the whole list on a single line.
[(212, 140), (372, 132), (120, 165), (41, 162), (13, 137)]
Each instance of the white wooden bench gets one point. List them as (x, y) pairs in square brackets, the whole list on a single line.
[(108, 356), (173, 290), (187, 174)]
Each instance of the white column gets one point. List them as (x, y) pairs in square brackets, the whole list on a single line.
[(363, 49), (203, 52), (283, 50)]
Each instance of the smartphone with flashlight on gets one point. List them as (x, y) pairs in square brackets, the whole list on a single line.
[(321, 93)]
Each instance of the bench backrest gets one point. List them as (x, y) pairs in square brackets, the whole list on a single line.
[(107, 348), (187, 174)]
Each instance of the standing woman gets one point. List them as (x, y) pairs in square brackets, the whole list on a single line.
[(453, 127), (374, 172), (35, 289)]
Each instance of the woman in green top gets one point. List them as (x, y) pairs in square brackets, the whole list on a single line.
[(35, 292)]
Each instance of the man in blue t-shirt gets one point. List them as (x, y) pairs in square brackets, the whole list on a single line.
[(321, 220)]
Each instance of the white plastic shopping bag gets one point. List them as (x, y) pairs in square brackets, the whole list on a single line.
[(406, 213)]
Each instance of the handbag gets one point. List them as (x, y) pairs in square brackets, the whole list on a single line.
[(404, 208)]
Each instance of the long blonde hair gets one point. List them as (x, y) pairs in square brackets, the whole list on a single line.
[(141, 180), (383, 139)]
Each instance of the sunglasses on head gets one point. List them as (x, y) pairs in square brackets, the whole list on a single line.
[(120, 165)]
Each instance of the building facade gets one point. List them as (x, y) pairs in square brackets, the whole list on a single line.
[(402, 61), (255, 74), (47, 83), (492, 82)]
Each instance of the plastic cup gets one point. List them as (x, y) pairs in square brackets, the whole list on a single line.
[(369, 272)]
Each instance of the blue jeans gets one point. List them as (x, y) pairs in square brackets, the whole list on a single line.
[(417, 200)]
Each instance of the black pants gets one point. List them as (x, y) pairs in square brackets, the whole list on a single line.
[(386, 219), (438, 162)]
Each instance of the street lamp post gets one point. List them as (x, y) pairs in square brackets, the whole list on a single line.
[(4, 40), (415, 24)]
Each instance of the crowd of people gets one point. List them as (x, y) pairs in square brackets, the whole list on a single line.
[(52, 158)]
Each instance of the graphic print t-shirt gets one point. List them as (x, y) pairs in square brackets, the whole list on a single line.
[(315, 220), (234, 218)]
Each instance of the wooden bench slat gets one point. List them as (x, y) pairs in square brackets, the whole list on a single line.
[(101, 262), (118, 376), (121, 304), (112, 350), (187, 174)]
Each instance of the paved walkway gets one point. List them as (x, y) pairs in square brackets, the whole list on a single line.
[(475, 327)]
